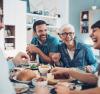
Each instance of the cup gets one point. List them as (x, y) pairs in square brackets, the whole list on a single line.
[(43, 69), (50, 76)]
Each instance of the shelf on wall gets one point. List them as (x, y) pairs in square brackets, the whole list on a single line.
[(41, 16), (49, 26), (9, 37), (50, 20)]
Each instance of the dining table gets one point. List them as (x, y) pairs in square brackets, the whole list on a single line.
[(31, 87)]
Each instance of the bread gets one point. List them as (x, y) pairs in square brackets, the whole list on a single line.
[(26, 75), (52, 82)]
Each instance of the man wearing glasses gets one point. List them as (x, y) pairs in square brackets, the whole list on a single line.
[(73, 53), (84, 77)]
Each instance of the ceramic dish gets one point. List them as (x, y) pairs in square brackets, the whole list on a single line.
[(20, 88), (15, 79)]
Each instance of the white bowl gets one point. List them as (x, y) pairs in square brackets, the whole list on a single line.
[(20, 88), (39, 83), (44, 69)]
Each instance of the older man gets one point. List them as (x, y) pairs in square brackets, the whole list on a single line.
[(74, 53), (85, 77)]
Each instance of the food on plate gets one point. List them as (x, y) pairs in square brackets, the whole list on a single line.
[(52, 82), (34, 66), (26, 75), (18, 90), (44, 66), (40, 79)]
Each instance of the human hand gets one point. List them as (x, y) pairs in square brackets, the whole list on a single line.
[(42, 90), (55, 57), (61, 89), (89, 69), (59, 72), (21, 58), (31, 48)]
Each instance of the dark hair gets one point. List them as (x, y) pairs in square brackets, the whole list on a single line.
[(38, 22), (96, 25)]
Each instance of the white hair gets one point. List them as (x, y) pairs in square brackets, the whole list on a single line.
[(69, 26)]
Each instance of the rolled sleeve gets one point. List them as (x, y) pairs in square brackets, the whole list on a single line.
[(91, 59)]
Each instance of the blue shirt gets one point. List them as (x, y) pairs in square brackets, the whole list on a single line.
[(51, 45), (83, 56)]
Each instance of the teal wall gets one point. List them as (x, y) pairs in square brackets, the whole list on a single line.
[(75, 8)]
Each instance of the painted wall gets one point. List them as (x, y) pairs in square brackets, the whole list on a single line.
[(61, 6), (18, 19), (75, 8)]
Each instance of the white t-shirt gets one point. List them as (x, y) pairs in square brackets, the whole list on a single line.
[(5, 84), (71, 53)]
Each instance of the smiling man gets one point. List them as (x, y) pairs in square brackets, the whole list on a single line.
[(42, 43), (74, 53)]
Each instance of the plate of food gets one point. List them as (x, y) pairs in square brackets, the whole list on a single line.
[(20, 88), (52, 81), (24, 76), (34, 67)]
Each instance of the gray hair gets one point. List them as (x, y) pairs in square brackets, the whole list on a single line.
[(69, 26)]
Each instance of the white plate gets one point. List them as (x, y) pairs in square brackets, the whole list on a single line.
[(20, 88), (25, 82)]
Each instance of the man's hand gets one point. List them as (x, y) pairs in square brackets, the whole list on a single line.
[(89, 68), (31, 48), (55, 57), (59, 72), (61, 89), (42, 90), (21, 58)]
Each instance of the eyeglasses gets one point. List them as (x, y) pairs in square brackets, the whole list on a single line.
[(66, 34)]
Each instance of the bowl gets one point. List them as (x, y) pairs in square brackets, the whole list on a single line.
[(43, 69), (40, 82), (20, 88)]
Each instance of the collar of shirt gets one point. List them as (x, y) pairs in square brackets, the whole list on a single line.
[(45, 43)]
